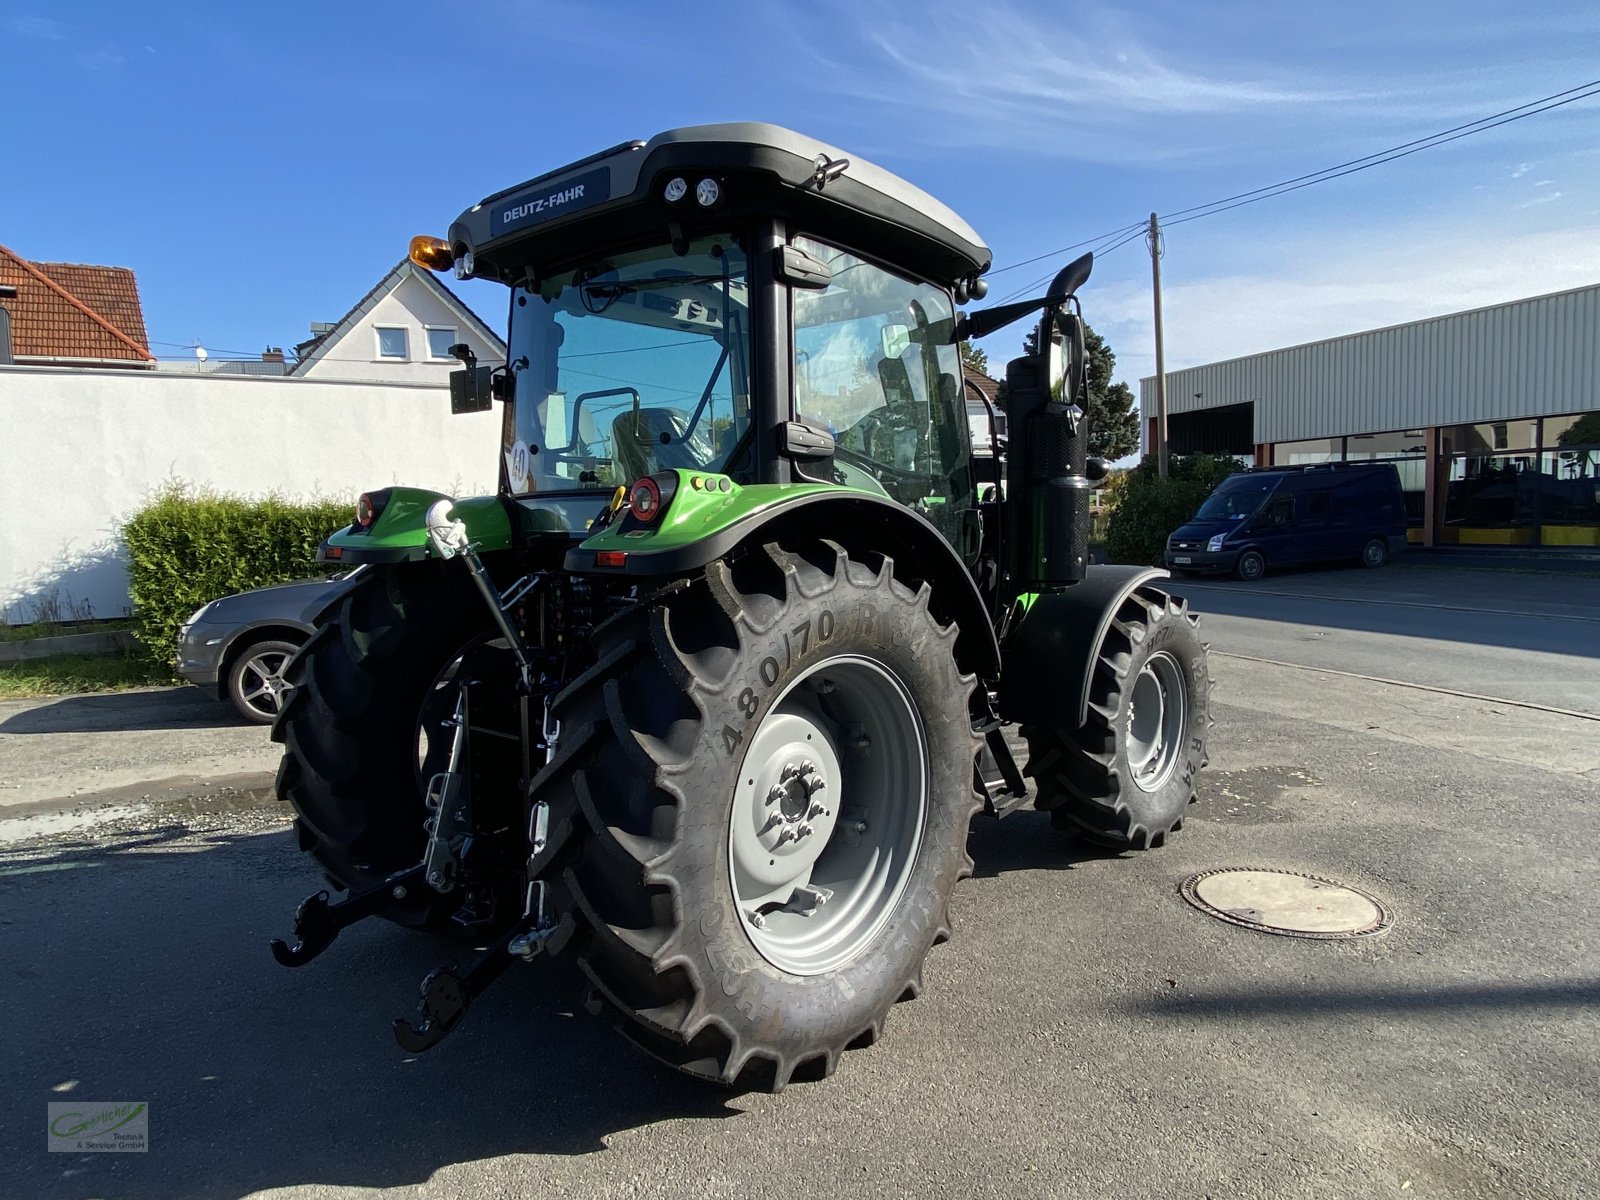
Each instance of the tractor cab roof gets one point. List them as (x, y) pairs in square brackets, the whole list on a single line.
[(728, 173)]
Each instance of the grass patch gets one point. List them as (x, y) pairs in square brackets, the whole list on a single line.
[(41, 629), (69, 674)]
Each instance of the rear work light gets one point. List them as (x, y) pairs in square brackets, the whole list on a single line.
[(644, 500)]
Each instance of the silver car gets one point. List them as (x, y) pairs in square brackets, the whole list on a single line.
[(237, 647)]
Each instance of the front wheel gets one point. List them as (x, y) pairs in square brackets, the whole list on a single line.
[(1125, 779), (255, 680), (1252, 565), (773, 768)]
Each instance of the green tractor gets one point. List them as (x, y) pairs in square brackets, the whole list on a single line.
[(709, 692)]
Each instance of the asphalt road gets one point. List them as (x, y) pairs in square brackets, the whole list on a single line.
[(1527, 637), (1085, 1033)]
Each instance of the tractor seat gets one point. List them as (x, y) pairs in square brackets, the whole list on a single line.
[(656, 443)]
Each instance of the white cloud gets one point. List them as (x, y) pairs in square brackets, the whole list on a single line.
[(1546, 198), (1520, 170), (99, 60), (1097, 84), (1345, 286), (43, 28)]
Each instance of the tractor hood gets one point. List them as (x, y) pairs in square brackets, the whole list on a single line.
[(622, 193)]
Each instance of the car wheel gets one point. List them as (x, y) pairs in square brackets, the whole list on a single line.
[(1251, 566), (1375, 553), (255, 681)]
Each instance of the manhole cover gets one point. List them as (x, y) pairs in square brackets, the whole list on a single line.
[(1287, 903)]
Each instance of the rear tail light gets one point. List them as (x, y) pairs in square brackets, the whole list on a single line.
[(370, 507), (611, 558), (644, 500)]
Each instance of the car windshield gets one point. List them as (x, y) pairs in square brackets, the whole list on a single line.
[(628, 366), (1236, 499)]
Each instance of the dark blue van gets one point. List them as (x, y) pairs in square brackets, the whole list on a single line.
[(1281, 516)]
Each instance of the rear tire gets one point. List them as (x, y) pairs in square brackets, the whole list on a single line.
[(1126, 778), (361, 728), (671, 747), (1375, 553)]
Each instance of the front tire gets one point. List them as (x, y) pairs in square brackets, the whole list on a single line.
[(1252, 565), (736, 945), (1126, 778)]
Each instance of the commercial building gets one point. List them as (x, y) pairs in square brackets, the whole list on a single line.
[(1492, 416)]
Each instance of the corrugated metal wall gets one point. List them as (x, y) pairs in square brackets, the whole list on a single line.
[(1536, 357)]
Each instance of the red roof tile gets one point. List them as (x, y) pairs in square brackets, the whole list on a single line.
[(73, 311)]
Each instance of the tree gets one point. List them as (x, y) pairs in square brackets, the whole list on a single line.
[(1148, 507), (1113, 418), (974, 359)]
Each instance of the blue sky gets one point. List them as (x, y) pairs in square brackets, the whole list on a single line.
[(260, 168)]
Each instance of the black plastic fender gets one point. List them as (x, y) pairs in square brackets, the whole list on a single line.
[(859, 522), (1048, 656)]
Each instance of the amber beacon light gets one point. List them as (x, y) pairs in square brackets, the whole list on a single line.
[(431, 252)]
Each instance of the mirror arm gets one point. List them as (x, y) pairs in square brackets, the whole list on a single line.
[(1063, 287)]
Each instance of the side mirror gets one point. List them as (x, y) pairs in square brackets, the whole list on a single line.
[(1066, 357), (471, 390)]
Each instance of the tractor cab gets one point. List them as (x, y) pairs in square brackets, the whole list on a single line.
[(734, 300)]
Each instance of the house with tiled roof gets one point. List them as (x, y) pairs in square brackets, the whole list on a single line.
[(401, 331), (70, 315)]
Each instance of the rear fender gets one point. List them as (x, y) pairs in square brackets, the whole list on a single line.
[(719, 519), (1049, 655), (400, 534)]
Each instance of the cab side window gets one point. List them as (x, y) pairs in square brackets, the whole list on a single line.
[(875, 367)]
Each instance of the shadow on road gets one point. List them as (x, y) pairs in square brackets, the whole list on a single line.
[(1222, 1006), (168, 708), (148, 977), (1024, 841), (1394, 614)]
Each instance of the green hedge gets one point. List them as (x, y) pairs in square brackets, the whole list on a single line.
[(1149, 507), (187, 547)]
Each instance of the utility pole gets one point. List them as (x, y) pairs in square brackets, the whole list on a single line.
[(1161, 357)]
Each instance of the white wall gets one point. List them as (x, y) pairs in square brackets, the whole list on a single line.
[(413, 307), (80, 450)]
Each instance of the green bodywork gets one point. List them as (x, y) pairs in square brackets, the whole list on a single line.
[(703, 504), (400, 533)]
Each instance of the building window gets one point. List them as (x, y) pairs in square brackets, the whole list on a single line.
[(1525, 483), (1400, 444), (1316, 450), (392, 342), (440, 339), (1491, 437)]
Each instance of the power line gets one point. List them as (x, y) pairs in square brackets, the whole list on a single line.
[(1384, 156), (1117, 238), (1052, 253), (1422, 143)]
